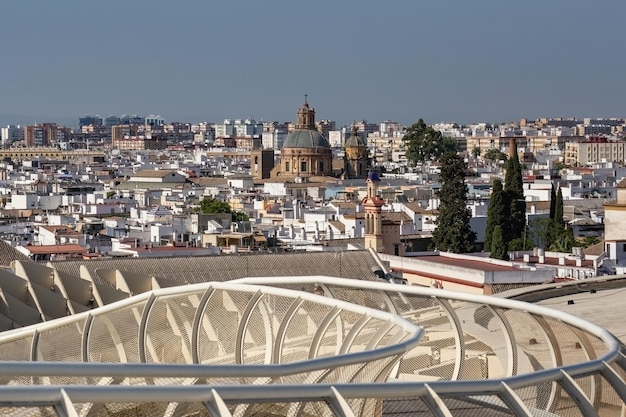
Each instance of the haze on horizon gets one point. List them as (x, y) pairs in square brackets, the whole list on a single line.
[(457, 61)]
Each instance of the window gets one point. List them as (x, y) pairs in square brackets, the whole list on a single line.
[(286, 166), (321, 166), (303, 166)]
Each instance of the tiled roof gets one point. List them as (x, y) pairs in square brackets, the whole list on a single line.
[(154, 173), (9, 254), (395, 217), (50, 249)]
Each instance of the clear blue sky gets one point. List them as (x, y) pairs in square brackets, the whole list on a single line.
[(192, 60)]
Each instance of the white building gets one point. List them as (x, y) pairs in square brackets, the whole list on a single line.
[(11, 133)]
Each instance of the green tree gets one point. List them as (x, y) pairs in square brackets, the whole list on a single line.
[(453, 232), (552, 201), (210, 205), (240, 216), (498, 245), (476, 151), (423, 143), (558, 208), (514, 190), (559, 234), (497, 213), (590, 241), (564, 242), (495, 155), (540, 232)]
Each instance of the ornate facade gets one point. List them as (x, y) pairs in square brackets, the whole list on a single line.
[(306, 152), (373, 214), (356, 161)]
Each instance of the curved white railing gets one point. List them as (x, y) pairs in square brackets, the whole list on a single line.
[(294, 351)]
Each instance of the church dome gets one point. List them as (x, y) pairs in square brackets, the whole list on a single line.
[(306, 135), (354, 140), (306, 138)]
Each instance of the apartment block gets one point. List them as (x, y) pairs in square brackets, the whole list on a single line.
[(593, 150)]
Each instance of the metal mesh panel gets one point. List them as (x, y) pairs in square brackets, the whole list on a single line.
[(478, 339), (113, 336), (534, 347), (356, 296), (315, 409), (194, 269), (365, 406), (187, 410), (263, 409), (303, 378), (539, 397), (435, 356), (300, 332), (259, 336), (607, 401), (16, 350), (568, 344), (331, 339), (404, 407), (365, 335), (594, 346), (128, 409), (484, 406), (63, 343), (377, 371), (347, 319), (619, 370), (343, 373), (27, 411), (168, 330), (564, 405), (218, 330)]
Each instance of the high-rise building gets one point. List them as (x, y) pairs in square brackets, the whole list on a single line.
[(132, 120), (11, 133), (46, 134), (90, 120)]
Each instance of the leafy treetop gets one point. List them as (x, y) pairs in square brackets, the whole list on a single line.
[(424, 143)]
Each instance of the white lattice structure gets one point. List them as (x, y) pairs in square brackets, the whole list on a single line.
[(302, 346)]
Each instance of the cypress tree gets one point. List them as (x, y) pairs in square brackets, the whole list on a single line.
[(496, 214), (514, 190), (558, 209), (557, 231), (498, 245), (453, 232), (552, 201)]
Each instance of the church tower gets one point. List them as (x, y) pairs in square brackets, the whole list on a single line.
[(356, 156), (306, 116), (373, 214), (306, 152)]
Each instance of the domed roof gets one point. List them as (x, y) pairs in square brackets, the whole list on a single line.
[(373, 176), (354, 140), (306, 138)]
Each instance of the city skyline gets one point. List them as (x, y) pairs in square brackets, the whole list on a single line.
[(194, 62)]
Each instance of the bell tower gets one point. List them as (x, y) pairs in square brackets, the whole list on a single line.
[(355, 156), (373, 214), (306, 116)]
